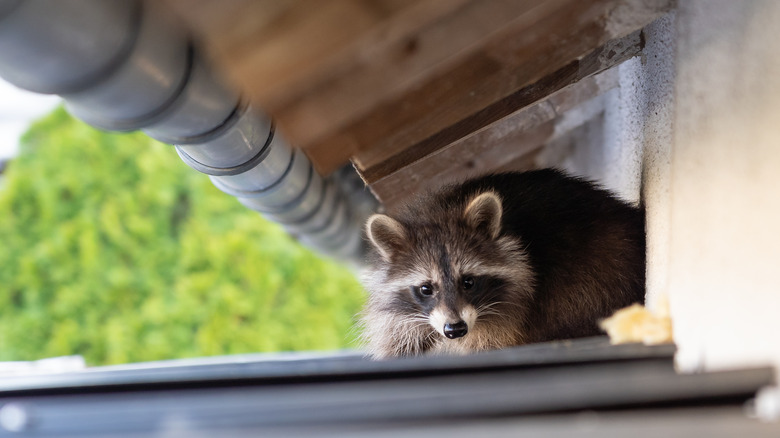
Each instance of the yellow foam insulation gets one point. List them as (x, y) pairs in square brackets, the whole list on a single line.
[(636, 323)]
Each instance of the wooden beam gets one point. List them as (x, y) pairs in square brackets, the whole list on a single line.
[(277, 49), (511, 143), (444, 166), (391, 68), (346, 76), (484, 87), (600, 59), (323, 62)]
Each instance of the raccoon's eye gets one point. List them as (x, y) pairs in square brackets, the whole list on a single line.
[(425, 289), (468, 282)]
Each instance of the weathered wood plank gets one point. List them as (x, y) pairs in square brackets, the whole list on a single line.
[(511, 143), (325, 53), (345, 76), (523, 119), (467, 159), (506, 75), (390, 67), (276, 49), (598, 60)]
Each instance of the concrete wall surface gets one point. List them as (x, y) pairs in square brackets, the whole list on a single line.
[(623, 141), (693, 130), (724, 197)]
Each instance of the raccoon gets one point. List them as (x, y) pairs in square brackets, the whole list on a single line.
[(501, 260)]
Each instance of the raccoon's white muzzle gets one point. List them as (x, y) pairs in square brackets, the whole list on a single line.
[(453, 327)]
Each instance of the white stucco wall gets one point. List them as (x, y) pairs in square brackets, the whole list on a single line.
[(694, 128), (724, 242), (647, 84)]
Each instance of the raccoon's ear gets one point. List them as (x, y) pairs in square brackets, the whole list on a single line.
[(484, 212), (386, 234)]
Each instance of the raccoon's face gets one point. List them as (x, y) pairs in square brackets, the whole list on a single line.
[(453, 303), (446, 283)]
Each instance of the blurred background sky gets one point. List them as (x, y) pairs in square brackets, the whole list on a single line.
[(17, 109)]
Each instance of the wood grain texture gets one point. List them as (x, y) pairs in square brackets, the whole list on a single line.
[(396, 64), (466, 159), (604, 57), (379, 77), (484, 87), (510, 144), (277, 49)]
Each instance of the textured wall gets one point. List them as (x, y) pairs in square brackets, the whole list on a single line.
[(623, 140), (724, 242), (694, 128), (650, 85), (618, 128)]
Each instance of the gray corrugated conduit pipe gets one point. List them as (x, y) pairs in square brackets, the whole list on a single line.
[(125, 65)]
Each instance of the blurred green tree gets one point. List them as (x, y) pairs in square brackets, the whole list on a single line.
[(113, 249)]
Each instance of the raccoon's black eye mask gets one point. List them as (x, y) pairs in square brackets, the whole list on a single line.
[(424, 290)]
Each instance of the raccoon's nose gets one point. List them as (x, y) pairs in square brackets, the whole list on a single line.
[(457, 330)]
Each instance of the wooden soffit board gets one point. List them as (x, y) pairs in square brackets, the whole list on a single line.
[(510, 143), (387, 83)]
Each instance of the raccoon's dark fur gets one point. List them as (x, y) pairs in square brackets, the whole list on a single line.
[(500, 260)]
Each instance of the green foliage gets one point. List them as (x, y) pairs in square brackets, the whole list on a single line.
[(113, 249)]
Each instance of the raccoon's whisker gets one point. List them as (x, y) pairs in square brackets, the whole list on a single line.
[(495, 313), (413, 320), (487, 312), (489, 306), (423, 319), (413, 316)]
